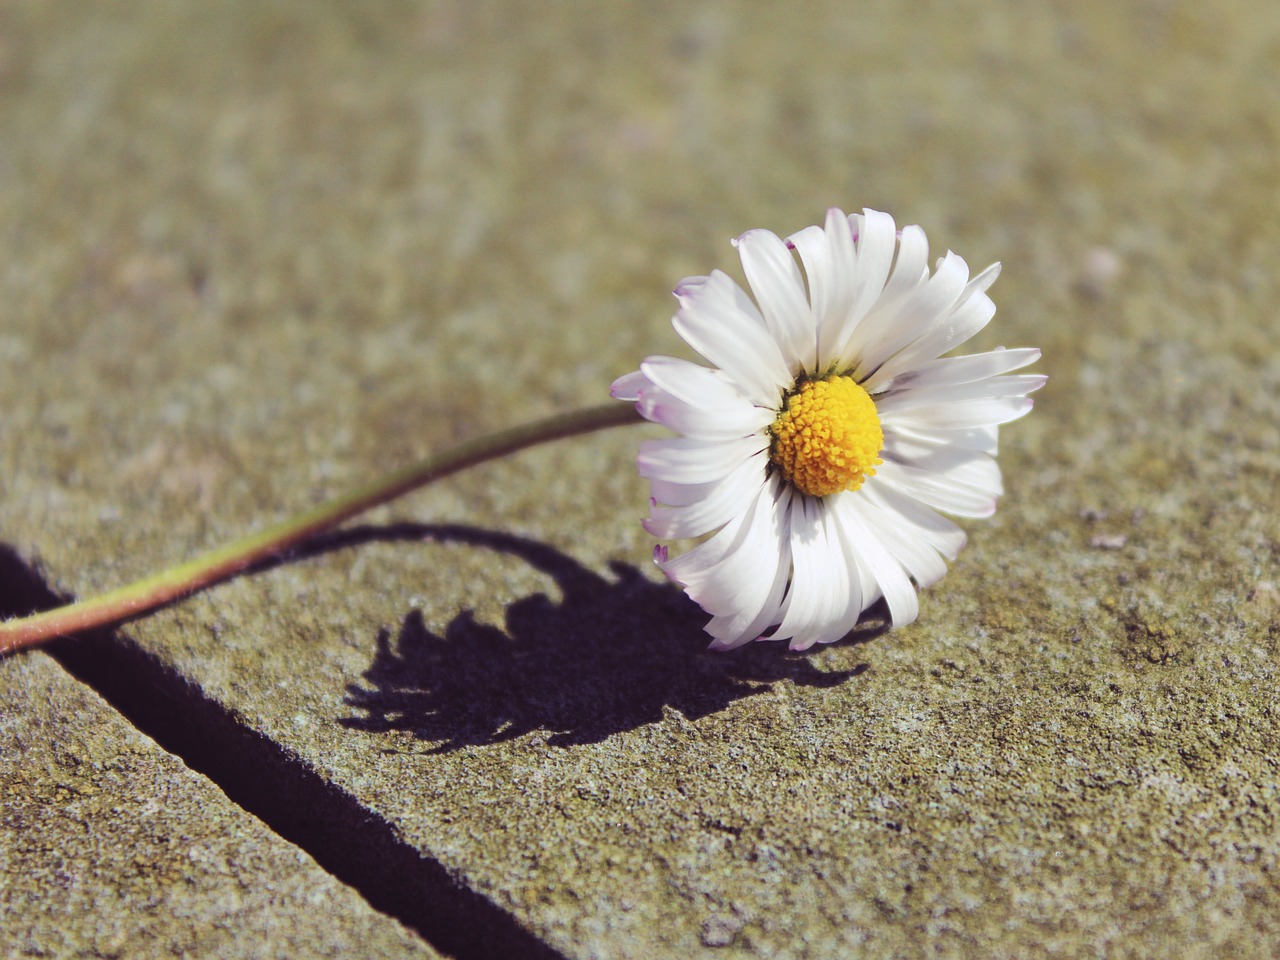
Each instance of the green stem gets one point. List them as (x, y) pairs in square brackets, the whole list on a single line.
[(145, 595)]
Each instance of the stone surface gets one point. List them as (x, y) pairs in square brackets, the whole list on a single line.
[(252, 256), (110, 847)]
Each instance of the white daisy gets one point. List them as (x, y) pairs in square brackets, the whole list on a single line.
[(829, 430)]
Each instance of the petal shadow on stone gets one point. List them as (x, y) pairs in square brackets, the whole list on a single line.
[(611, 655)]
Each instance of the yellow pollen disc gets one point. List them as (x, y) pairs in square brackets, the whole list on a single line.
[(827, 437)]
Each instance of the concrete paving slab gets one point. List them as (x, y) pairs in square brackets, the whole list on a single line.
[(110, 847), (259, 256)]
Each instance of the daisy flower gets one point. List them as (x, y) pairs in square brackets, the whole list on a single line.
[(816, 451)]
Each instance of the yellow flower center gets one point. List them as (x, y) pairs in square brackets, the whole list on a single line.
[(827, 436)]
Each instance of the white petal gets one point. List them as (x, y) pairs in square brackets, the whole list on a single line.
[(729, 498), (844, 618), (926, 524), (803, 602), (984, 439), (916, 555), (694, 384), (681, 494), (729, 633), (961, 465), (815, 255), (713, 319), (992, 388), (684, 494), (973, 312), (875, 248), (867, 585), (891, 326), (627, 386), (778, 288), (735, 419), (982, 282), (960, 416), (734, 630), (909, 273), (936, 490), (738, 583), (829, 265), (686, 460), (951, 370), (707, 553), (821, 576), (910, 267), (899, 594)]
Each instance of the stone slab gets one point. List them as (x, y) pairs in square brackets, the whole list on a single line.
[(257, 256), (111, 847)]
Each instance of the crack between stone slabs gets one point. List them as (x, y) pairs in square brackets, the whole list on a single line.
[(353, 843)]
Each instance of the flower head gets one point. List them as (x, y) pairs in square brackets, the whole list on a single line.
[(829, 430)]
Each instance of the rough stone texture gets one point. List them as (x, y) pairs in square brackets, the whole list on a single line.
[(253, 255), (110, 847)]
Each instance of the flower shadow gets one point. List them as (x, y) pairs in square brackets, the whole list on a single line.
[(611, 655)]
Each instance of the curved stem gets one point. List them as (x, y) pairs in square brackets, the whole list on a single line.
[(145, 595)]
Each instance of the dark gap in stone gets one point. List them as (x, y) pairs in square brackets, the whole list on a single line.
[(353, 843)]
